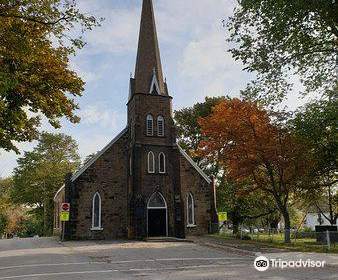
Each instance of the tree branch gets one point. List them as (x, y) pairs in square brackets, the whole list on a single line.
[(320, 210), (36, 20), (258, 216)]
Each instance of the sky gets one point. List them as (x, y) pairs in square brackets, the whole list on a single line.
[(194, 56)]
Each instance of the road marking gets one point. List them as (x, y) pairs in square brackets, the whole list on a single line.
[(55, 274), (108, 271), (119, 262), (47, 264)]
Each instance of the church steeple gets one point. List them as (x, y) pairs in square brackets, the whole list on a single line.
[(148, 63)]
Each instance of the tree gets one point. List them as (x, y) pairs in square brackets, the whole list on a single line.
[(254, 145), (244, 206), (4, 204), (42, 172), (189, 130), (88, 158), (190, 135), (279, 38), (35, 78), (315, 126)]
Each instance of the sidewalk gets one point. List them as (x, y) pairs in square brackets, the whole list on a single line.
[(254, 250), (234, 245)]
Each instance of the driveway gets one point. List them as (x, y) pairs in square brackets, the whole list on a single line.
[(48, 259)]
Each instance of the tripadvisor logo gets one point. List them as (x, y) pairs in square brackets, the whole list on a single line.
[(261, 263)]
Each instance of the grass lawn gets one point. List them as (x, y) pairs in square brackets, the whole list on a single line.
[(277, 241)]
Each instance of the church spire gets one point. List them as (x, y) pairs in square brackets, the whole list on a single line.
[(148, 62)]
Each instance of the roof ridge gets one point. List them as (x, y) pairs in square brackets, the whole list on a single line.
[(194, 164), (78, 173)]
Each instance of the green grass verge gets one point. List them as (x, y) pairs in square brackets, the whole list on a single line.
[(276, 241)]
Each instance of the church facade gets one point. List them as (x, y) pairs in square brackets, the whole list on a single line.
[(142, 183)]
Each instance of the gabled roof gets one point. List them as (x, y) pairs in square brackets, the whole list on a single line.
[(57, 193), (198, 169), (98, 155)]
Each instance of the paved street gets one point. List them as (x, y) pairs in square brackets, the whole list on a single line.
[(48, 259)]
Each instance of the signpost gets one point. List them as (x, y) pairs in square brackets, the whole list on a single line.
[(222, 220), (64, 217), (222, 216)]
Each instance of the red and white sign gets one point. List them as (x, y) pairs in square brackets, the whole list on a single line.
[(65, 207)]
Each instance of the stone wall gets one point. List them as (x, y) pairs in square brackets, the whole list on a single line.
[(192, 182), (108, 175)]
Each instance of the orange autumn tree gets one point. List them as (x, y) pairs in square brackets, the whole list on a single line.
[(254, 146)]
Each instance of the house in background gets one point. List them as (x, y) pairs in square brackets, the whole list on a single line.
[(314, 219)]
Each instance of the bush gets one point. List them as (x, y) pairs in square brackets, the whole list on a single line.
[(306, 232)]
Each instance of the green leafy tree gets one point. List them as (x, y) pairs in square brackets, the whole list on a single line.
[(244, 206), (189, 131), (41, 173), (279, 38), (88, 158), (315, 126), (35, 78), (4, 204)]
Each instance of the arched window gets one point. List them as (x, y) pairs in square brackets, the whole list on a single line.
[(151, 162), (157, 201), (150, 128), (96, 212), (160, 126), (161, 163), (190, 210)]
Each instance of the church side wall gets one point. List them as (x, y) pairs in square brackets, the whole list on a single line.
[(108, 176), (192, 182)]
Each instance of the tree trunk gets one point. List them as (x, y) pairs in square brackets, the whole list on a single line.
[(332, 216), (235, 226), (287, 232), (235, 222), (48, 217)]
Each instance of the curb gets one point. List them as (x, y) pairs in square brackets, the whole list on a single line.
[(227, 248), (168, 239)]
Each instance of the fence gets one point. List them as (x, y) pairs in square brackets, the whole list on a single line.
[(300, 238)]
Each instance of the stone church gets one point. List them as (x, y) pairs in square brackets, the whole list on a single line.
[(142, 183)]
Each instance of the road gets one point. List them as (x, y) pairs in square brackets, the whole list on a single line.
[(48, 259)]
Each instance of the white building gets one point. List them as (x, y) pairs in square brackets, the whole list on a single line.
[(315, 219)]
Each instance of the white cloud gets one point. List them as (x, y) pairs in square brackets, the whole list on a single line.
[(82, 70), (204, 57), (98, 115), (8, 159), (118, 33), (194, 54), (90, 143)]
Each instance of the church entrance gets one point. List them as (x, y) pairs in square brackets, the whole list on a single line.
[(157, 217)]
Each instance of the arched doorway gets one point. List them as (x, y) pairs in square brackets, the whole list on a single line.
[(157, 218)]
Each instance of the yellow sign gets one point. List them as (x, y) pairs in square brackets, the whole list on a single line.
[(64, 216), (222, 216)]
